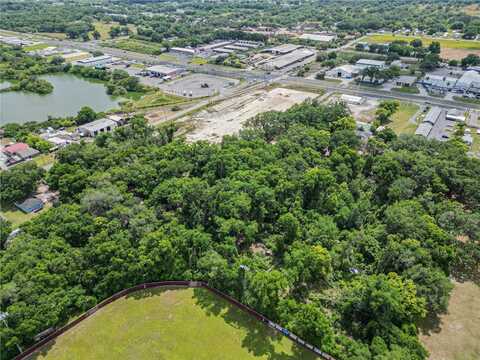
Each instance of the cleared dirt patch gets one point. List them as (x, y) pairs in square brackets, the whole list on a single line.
[(229, 116), (457, 54), (457, 335)]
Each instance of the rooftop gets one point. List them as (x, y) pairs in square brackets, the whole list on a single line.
[(370, 62), (98, 125), (162, 69), (318, 37), (30, 205), (285, 48), (12, 149)]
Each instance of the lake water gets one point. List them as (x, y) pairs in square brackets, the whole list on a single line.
[(69, 94)]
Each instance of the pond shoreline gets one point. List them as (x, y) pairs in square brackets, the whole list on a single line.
[(71, 92)]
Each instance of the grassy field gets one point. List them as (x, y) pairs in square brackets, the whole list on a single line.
[(444, 43), (36, 47), (143, 47), (17, 217), (172, 324), (104, 28), (456, 335), (59, 36), (467, 100), (472, 10), (476, 141), (196, 60), (407, 89), (400, 120), (44, 159), (157, 98)]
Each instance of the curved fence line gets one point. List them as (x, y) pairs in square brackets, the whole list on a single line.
[(193, 284)]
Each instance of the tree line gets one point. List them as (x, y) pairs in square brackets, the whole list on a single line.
[(347, 244)]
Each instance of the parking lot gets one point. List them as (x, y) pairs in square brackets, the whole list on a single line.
[(198, 85)]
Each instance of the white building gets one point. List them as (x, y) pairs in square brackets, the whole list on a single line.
[(284, 49), (325, 38), (366, 63), (95, 61), (350, 99), (288, 59), (184, 51), (469, 81), (96, 127), (344, 72), (163, 71)]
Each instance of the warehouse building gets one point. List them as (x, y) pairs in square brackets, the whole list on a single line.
[(366, 63), (284, 49), (429, 122), (184, 51), (325, 38), (95, 61), (288, 59), (163, 71), (344, 72), (96, 127)]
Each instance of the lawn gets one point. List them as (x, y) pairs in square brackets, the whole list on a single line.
[(173, 324), (450, 48), (44, 159), (455, 335), (17, 217), (407, 89), (139, 46), (196, 60), (157, 98), (104, 28), (36, 47), (401, 119), (467, 100), (476, 141)]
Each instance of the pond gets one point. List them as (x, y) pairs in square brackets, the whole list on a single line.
[(70, 93)]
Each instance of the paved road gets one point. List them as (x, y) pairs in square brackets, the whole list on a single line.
[(362, 91), (258, 75)]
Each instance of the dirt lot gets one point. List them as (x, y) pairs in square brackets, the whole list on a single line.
[(457, 335), (457, 54), (228, 116), (164, 113), (191, 86), (364, 112)]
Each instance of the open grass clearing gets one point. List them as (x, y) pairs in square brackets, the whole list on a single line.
[(472, 10), (401, 123), (58, 36), (104, 28), (173, 324), (36, 47), (133, 45), (467, 100), (197, 60), (456, 334), (18, 217), (44, 159), (444, 43), (153, 99), (407, 90)]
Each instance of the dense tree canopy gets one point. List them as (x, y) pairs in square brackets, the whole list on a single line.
[(347, 248)]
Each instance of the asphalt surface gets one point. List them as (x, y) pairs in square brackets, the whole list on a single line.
[(253, 76)]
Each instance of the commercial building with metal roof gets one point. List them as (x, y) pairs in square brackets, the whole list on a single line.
[(284, 49), (96, 127), (288, 59), (365, 63), (429, 122), (326, 38), (162, 71)]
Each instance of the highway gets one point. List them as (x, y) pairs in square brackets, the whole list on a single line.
[(377, 93), (253, 76)]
